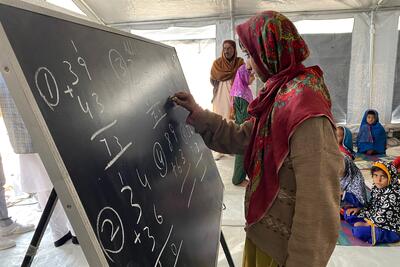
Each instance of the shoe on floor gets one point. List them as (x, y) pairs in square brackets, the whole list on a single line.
[(75, 240), (6, 243), (16, 229), (63, 240)]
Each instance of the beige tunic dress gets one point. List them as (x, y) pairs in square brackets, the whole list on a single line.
[(222, 99)]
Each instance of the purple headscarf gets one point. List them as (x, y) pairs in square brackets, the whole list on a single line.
[(240, 87)]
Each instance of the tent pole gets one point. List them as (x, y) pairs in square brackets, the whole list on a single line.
[(371, 56), (207, 20), (372, 32), (232, 19), (88, 11)]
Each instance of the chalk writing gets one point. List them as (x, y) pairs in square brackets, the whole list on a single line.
[(53, 97)]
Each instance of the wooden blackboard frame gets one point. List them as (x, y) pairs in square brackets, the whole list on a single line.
[(44, 144)]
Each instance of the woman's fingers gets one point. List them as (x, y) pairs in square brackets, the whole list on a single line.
[(179, 101), (181, 95), (185, 100)]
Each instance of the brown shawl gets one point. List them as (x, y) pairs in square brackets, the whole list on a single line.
[(223, 69)]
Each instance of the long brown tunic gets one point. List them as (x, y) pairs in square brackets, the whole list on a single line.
[(301, 228)]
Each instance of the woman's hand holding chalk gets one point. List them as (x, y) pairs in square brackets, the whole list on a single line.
[(186, 100)]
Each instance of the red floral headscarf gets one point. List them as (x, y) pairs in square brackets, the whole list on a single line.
[(291, 95)]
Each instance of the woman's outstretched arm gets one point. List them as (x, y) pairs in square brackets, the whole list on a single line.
[(218, 134)]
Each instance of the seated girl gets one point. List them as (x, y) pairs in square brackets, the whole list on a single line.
[(371, 137), (242, 97), (352, 183), (396, 163), (379, 220), (345, 140)]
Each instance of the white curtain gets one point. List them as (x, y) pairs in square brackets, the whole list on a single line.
[(352, 89)]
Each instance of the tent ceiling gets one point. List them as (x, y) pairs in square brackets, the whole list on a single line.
[(132, 11)]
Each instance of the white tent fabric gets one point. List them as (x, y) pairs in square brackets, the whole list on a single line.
[(384, 63), (367, 88), (119, 12), (195, 57), (396, 93), (374, 41), (178, 33), (362, 94), (195, 47), (358, 94)]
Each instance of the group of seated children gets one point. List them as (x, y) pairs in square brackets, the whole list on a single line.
[(377, 219)]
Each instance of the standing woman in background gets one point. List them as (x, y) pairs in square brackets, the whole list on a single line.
[(291, 153), (223, 72), (241, 98)]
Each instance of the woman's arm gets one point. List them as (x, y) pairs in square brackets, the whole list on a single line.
[(317, 164), (217, 133)]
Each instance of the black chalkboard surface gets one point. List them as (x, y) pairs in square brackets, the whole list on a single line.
[(148, 185)]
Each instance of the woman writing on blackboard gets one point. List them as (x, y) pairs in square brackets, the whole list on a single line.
[(291, 154)]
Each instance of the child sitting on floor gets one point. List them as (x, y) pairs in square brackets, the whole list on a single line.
[(345, 141), (352, 183), (396, 163), (371, 138), (379, 220)]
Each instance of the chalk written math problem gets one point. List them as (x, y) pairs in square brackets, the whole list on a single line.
[(148, 185)]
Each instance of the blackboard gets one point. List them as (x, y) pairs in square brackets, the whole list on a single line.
[(96, 100)]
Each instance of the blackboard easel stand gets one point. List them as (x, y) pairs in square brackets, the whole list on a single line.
[(226, 251), (40, 229), (44, 220)]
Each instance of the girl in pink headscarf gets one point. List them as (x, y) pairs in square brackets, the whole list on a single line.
[(241, 98)]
